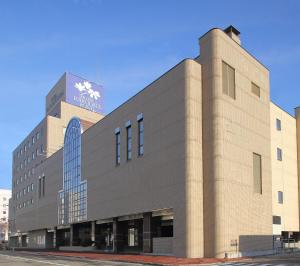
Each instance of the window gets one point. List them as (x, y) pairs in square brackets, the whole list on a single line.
[(4, 199), (280, 197), (31, 186), (43, 186), (129, 142), (37, 135), (255, 89), (133, 237), (228, 80), (40, 187), (279, 154), (33, 156), (278, 124), (4, 212), (28, 189), (140, 137), (276, 219), (72, 199), (24, 191), (118, 148), (37, 152), (33, 140), (257, 173)]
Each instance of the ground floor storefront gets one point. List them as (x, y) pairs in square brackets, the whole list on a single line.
[(150, 232)]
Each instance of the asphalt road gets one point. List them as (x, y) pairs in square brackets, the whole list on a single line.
[(17, 258), (9, 258)]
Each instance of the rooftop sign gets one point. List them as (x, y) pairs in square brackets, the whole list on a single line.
[(84, 93)]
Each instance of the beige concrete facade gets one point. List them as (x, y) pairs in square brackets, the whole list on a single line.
[(284, 173), (234, 129), (196, 172)]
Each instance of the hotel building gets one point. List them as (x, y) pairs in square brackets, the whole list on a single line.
[(199, 163)]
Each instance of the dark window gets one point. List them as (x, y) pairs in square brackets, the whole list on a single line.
[(129, 142), (280, 197), (40, 187), (279, 154), (278, 124), (118, 148), (140, 137), (276, 219), (43, 185)]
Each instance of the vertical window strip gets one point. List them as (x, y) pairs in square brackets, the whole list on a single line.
[(279, 154), (257, 173), (129, 142), (140, 137), (43, 186), (40, 187), (228, 80), (278, 124), (118, 148)]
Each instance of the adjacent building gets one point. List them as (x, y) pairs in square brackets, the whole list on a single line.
[(199, 163), (5, 195)]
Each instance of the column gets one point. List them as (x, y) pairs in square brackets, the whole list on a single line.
[(54, 238), (93, 226), (118, 242), (147, 234), (71, 234)]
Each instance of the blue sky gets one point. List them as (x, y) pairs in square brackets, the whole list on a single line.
[(124, 45)]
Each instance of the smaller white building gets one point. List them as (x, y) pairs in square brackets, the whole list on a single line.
[(5, 195)]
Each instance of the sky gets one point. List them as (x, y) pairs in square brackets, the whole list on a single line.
[(125, 45)]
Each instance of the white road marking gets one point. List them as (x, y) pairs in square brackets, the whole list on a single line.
[(241, 264), (33, 260)]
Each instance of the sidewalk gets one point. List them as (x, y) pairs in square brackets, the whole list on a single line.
[(144, 259)]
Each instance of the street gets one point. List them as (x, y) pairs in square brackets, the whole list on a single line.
[(9, 258), (19, 258)]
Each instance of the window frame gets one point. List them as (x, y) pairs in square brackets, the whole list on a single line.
[(280, 197), (253, 87), (129, 142), (279, 154), (259, 189), (278, 124), (140, 137), (276, 219), (225, 80), (118, 147)]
